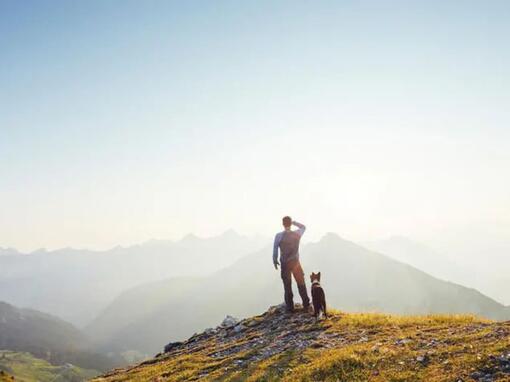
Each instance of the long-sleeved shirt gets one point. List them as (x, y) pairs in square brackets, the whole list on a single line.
[(290, 248)]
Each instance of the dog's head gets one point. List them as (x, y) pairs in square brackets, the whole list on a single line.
[(315, 277)]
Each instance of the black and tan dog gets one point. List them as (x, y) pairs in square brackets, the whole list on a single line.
[(318, 297)]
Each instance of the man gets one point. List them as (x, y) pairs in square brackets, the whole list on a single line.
[(288, 243)]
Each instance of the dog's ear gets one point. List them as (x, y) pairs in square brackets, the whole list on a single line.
[(319, 276)]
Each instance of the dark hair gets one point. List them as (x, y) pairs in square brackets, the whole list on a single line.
[(287, 221)]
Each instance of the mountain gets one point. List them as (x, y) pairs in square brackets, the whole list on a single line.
[(354, 278), (486, 279), (15, 366), (78, 284), (47, 337), (422, 257), (8, 252), (496, 286), (277, 346)]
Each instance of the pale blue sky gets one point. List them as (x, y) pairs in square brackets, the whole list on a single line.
[(122, 121)]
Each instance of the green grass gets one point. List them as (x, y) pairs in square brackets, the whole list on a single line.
[(26, 368)]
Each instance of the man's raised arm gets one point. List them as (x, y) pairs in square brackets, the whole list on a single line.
[(301, 228)]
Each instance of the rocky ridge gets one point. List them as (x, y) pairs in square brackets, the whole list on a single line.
[(354, 347)]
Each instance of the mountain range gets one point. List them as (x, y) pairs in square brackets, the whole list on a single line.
[(77, 285), (355, 279)]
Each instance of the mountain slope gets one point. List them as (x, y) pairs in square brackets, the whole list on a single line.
[(345, 347), (489, 280), (47, 337), (354, 278), (422, 257), (78, 284), (26, 368)]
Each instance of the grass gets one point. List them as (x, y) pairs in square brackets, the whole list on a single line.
[(352, 347), (4, 377), (26, 368)]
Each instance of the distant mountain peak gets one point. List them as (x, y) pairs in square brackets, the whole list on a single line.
[(230, 233), (190, 237), (332, 237), (8, 251), (38, 251)]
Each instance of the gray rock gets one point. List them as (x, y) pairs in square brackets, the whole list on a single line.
[(423, 359), (402, 341), (476, 375), (229, 322), (210, 331), (171, 346), (276, 309)]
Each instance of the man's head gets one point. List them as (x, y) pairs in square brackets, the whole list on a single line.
[(287, 221)]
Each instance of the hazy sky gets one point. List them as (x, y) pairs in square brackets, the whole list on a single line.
[(122, 121)]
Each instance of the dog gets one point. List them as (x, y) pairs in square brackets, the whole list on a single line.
[(318, 296)]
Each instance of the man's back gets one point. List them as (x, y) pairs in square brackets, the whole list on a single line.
[(289, 246), (288, 243)]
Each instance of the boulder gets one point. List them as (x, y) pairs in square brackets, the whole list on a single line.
[(171, 346), (229, 322)]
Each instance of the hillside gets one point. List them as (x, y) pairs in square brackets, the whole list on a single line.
[(78, 284), (345, 347), (422, 257), (485, 278), (355, 279), (26, 368), (47, 337)]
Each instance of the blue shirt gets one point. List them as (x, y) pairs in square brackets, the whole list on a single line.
[(278, 238)]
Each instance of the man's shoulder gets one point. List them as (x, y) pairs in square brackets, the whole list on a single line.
[(297, 232), (279, 234)]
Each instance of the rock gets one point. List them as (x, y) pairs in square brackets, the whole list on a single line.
[(229, 322), (276, 309), (239, 328), (171, 346), (210, 331), (432, 343), (423, 359), (503, 361), (402, 341)]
